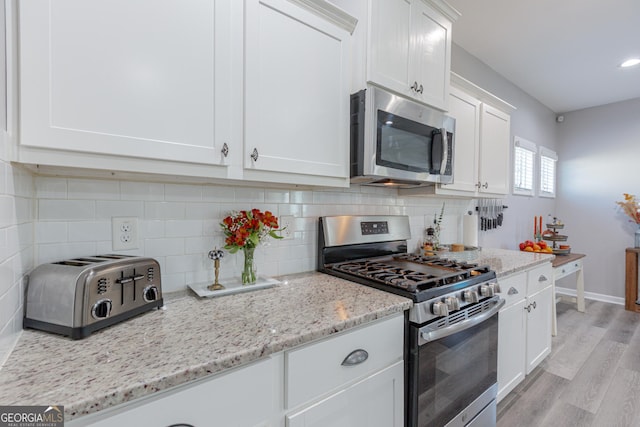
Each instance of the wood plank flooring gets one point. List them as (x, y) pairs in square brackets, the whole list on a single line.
[(590, 379)]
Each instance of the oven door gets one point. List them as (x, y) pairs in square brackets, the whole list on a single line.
[(452, 368)]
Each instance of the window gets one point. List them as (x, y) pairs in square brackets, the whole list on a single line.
[(548, 161), (523, 166)]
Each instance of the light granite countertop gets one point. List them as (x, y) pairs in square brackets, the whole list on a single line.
[(188, 339), (191, 338), (505, 262)]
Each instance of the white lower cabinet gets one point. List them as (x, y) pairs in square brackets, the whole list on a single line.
[(376, 401), (316, 384), (524, 328), (220, 401)]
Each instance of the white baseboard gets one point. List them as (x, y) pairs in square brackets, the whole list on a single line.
[(590, 295)]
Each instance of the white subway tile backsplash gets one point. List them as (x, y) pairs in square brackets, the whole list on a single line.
[(182, 193), (184, 263), (87, 231), (151, 229), (51, 232), (51, 188), (147, 191), (93, 189), (276, 196), (301, 197), (164, 210), (61, 251), (107, 209), (66, 210), (164, 247), (213, 193), (7, 211), (200, 245), (6, 276), (249, 195), (205, 210), (183, 228)]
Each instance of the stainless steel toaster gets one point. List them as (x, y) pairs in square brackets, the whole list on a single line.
[(78, 296)]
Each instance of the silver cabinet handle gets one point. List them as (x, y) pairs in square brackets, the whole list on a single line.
[(420, 90), (254, 154), (512, 291), (534, 305), (485, 185), (528, 308), (225, 149), (414, 86), (542, 278), (356, 357), (479, 184)]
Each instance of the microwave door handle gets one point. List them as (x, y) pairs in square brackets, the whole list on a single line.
[(445, 150)]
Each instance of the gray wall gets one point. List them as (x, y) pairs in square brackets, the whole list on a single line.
[(599, 152), (532, 121)]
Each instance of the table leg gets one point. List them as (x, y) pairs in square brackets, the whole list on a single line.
[(580, 290)]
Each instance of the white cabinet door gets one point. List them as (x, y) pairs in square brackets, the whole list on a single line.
[(410, 50), (392, 26), (495, 131), (466, 110), (296, 92), (538, 327), (511, 346), (220, 401), (431, 56), (145, 79), (376, 401)]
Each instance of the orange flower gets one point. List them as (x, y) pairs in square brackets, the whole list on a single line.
[(247, 228)]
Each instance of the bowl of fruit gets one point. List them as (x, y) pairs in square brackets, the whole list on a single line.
[(537, 247)]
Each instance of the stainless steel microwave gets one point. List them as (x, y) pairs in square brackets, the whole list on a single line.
[(396, 141)]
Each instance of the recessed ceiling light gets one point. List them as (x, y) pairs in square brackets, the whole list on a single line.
[(630, 62)]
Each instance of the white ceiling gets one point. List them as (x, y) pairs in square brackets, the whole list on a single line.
[(565, 53)]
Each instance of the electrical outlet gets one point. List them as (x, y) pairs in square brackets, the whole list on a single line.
[(287, 223), (124, 233)]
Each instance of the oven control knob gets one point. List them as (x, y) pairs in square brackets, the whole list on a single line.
[(453, 303), (440, 309), (486, 291), (470, 296), (495, 287)]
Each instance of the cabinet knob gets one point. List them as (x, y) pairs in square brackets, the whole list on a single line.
[(542, 278), (356, 357), (485, 185), (420, 90), (479, 184), (414, 86), (225, 149), (534, 305), (512, 291), (528, 308), (254, 154)]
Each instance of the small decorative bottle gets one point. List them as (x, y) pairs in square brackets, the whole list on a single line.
[(430, 241)]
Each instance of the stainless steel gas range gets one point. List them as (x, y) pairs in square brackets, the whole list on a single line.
[(451, 336)]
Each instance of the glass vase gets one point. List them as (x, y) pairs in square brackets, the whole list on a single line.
[(637, 237), (249, 268)]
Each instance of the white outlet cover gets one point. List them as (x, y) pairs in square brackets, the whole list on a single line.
[(124, 233)]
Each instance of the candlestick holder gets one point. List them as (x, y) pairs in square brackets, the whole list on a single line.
[(215, 255)]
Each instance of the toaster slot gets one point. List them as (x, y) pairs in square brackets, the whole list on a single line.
[(73, 263)]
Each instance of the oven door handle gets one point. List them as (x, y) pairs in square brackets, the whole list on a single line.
[(432, 335)]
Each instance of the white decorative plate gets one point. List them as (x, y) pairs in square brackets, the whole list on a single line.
[(232, 287)]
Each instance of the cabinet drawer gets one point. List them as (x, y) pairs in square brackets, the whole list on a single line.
[(318, 368), (513, 289), (539, 278), (567, 269)]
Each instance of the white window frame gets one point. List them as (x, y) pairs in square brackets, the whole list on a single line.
[(530, 148), (545, 155)]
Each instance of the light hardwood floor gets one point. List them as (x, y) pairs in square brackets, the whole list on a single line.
[(590, 379)]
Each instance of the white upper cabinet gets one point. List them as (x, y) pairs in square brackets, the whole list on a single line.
[(481, 144), (136, 79), (296, 93), (406, 45)]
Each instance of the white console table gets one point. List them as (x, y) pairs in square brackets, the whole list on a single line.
[(563, 266)]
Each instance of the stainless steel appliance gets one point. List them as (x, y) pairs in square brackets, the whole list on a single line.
[(78, 296), (452, 329), (396, 141)]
